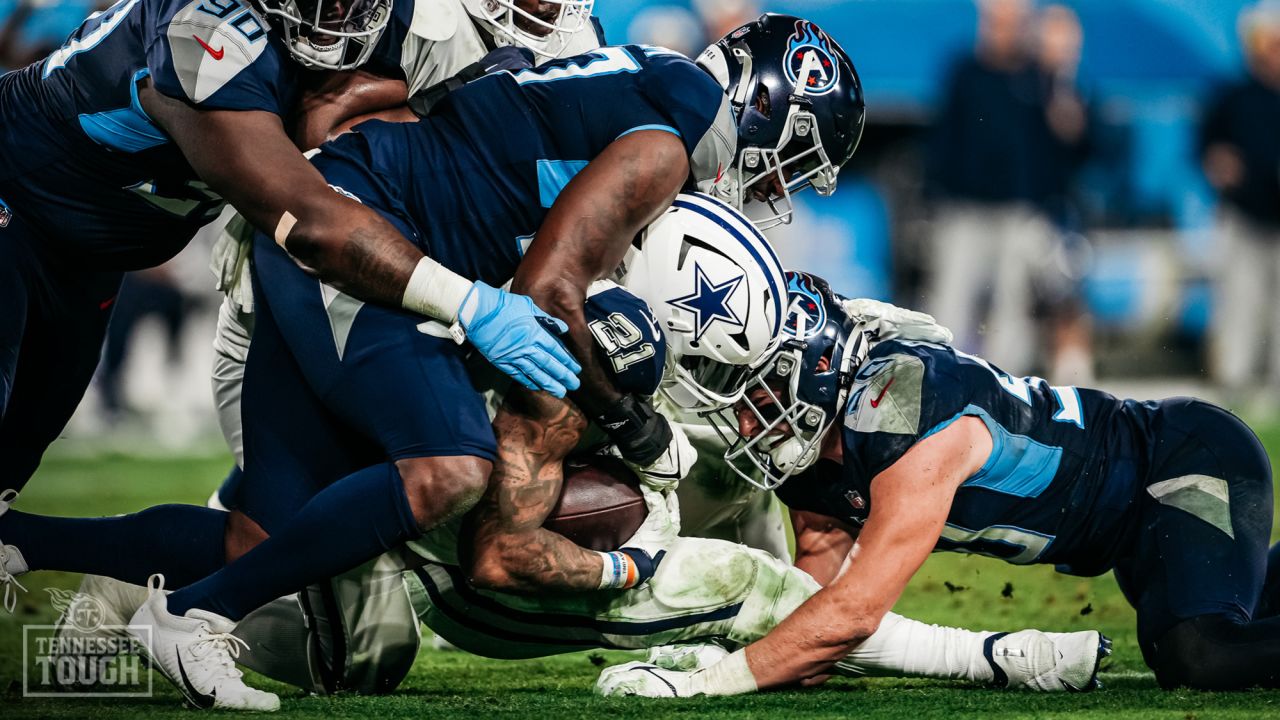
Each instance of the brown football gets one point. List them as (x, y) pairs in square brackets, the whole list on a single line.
[(600, 506)]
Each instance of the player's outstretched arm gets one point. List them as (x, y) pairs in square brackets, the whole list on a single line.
[(587, 232), (510, 550), (246, 157), (909, 505)]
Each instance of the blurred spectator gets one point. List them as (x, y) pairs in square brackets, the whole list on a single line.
[(668, 26), (1240, 153), (144, 293), (1004, 145), (1059, 295), (720, 17)]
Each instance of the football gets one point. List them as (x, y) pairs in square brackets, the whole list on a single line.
[(600, 506)]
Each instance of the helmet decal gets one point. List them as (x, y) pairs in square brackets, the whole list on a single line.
[(810, 38), (806, 302), (709, 302)]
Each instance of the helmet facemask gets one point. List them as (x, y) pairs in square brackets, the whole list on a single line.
[(789, 432), (509, 24), (796, 162), (328, 34)]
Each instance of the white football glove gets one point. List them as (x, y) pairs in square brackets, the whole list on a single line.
[(661, 526), (672, 465), (230, 262), (889, 322), (686, 657), (728, 676), (644, 680)]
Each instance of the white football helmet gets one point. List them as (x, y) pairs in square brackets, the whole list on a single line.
[(717, 291), (326, 34), (545, 34)]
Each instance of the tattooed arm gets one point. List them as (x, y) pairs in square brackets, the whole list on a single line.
[(248, 159), (511, 551)]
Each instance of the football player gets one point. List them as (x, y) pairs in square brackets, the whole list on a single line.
[(116, 148), (447, 43), (604, 171), (360, 632), (940, 450)]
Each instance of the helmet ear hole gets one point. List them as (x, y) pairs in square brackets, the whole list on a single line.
[(762, 103)]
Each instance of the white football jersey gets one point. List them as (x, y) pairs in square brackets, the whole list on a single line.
[(443, 40)]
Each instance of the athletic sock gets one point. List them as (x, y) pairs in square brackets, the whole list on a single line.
[(183, 542), (350, 522)]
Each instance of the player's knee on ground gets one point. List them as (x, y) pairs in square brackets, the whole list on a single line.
[(1214, 652), (440, 488)]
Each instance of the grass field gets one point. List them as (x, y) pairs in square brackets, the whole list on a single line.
[(951, 589)]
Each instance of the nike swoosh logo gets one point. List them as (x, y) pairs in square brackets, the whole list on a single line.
[(215, 54), (197, 698), (875, 402)]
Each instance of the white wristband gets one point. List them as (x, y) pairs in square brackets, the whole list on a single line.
[(435, 291), (730, 676)]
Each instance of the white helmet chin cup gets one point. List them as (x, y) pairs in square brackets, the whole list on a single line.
[(509, 24), (717, 291)]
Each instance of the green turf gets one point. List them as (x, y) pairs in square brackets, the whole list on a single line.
[(959, 590)]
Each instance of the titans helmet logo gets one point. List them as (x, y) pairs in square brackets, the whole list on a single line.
[(806, 313), (709, 302), (810, 38)]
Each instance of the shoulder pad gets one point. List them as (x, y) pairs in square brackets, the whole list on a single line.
[(887, 395), (435, 20), (211, 42)]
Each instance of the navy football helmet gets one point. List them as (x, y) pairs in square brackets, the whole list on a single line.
[(795, 398), (329, 34), (799, 107)]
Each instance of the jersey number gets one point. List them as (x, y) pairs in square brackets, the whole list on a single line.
[(605, 61), (108, 20), (1069, 408), (616, 335)]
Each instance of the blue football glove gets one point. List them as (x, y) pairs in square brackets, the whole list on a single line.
[(513, 334)]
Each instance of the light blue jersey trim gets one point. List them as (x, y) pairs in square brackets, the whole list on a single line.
[(638, 128), (553, 175), (128, 129), (1017, 465)]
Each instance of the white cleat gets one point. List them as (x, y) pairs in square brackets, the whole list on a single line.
[(11, 562), (196, 652), (1048, 662)]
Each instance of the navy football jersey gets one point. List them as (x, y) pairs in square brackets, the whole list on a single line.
[(1065, 468), (81, 159), (475, 179)]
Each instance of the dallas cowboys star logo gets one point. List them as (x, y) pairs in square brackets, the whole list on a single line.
[(709, 301)]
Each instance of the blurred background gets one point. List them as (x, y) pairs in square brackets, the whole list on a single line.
[(1088, 191)]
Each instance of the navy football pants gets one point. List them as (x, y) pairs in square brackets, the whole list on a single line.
[(53, 318), (1202, 556)]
